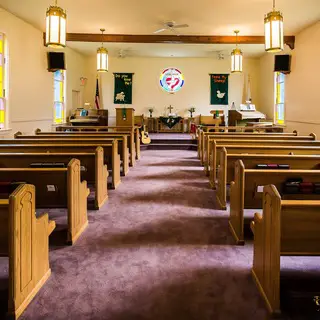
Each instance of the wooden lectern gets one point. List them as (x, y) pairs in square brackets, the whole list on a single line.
[(124, 117)]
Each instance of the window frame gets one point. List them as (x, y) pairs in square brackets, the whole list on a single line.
[(4, 97), (62, 102), (279, 98)]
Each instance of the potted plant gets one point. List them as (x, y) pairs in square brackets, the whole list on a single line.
[(150, 111), (192, 110)]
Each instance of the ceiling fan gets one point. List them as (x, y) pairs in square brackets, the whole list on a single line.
[(171, 26)]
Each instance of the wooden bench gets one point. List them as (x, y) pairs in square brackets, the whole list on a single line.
[(57, 188), (225, 172), (93, 169), (24, 238), (97, 135), (122, 145), (245, 191), (286, 227), (303, 140), (242, 135), (255, 149), (134, 131), (111, 156)]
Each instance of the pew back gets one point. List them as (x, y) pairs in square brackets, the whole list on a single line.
[(112, 158), (121, 143), (57, 188), (246, 191), (93, 169), (256, 149), (225, 171), (221, 142)]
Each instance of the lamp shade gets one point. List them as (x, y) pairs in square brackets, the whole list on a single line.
[(273, 31), (236, 60), (102, 60), (56, 27)]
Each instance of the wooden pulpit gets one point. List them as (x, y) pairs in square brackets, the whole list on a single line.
[(124, 117)]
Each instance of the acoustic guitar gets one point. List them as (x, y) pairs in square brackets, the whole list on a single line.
[(145, 139)]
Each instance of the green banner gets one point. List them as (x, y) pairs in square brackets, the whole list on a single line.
[(123, 88), (219, 89)]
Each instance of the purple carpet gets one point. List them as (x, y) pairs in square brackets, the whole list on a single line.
[(158, 250)]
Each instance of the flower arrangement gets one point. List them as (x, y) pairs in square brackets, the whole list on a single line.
[(150, 111), (192, 110)]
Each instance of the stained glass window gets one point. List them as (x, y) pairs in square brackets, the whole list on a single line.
[(2, 83), (279, 96), (59, 96)]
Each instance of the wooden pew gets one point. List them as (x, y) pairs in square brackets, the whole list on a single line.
[(245, 193), (121, 129), (87, 134), (122, 145), (302, 140), (112, 158), (24, 238), (93, 169), (287, 227), (256, 149), (57, 188), (225, 172), (242, 135)]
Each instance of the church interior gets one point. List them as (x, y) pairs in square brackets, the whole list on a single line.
[(159, 160)]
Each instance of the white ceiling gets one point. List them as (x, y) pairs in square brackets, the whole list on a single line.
[(205, 17)]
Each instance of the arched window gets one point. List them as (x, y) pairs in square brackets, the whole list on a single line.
[(3, 83), (59, 96)]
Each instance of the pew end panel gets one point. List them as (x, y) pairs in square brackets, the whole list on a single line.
[(116, 179), (266, 252), (101, 179), (236, 221), (28, 248), (221, 189), (287, 227), (77, 202)]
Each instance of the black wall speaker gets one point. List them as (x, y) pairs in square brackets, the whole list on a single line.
[(282, 63), (56, 61)]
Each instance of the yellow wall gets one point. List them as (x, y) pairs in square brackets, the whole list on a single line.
[(148, 93), (30, 84), (302, 84)]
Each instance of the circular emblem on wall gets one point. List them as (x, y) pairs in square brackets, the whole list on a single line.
[(171, 80)]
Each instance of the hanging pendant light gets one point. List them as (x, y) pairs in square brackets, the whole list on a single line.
[(56, 26), (273, 30), (236, 57), (102, 57)]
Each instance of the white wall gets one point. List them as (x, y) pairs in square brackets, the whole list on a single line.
[(302, 84), (147, 92), (30, 84)]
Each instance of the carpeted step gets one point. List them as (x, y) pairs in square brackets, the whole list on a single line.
[(169, 146), (173, 141)]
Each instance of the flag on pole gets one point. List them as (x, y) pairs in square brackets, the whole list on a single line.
[(97, 98)]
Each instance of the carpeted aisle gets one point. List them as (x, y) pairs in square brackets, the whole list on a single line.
[(158, 250)]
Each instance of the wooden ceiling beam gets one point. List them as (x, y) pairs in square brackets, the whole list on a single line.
[(184, 39)]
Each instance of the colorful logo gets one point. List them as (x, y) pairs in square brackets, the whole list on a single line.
[(171, 80)]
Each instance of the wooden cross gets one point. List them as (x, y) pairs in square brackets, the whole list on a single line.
[(170, 108)]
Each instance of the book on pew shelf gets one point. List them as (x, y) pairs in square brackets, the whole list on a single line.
[(7, 187), (283, 166), (292, 186), (317, 188), (272, 166), (48, 165), (306, 187)]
